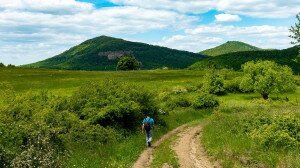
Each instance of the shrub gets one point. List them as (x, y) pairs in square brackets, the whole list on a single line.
[(39, 152), (214, 83), (179, 89), (279, 131), (178, 101), (205, 100), (233, 86), (10, 66), (112, 103), (34, 128)]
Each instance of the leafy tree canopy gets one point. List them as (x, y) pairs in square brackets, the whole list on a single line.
[(295, 30), (266, 77), (127, 63)]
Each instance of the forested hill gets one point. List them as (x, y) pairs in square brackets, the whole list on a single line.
[(236, 59), (229, 47), (102, 53)]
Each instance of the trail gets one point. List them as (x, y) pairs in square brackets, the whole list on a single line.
[(146, 158), (188, 148)]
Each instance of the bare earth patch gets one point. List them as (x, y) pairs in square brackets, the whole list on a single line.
[(146, 157), (188, 148)]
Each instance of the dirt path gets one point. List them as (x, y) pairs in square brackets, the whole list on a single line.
[(188, 149), (145, 158)]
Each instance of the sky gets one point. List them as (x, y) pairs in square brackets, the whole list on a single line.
[(33, 30)]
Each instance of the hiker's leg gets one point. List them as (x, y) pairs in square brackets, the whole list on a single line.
[(150, 135), (147, 137)]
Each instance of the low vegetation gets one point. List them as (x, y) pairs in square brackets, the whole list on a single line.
[(255, 134), (47, 128)]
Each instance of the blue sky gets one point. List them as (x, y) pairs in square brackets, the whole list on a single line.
[(33, 30)]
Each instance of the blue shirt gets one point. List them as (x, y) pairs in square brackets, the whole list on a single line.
[(150, 120)]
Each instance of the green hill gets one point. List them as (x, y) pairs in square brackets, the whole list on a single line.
[(102, 53), (236, 59), (229, 47)]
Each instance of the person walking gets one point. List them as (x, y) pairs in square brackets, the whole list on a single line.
[(148, 126)]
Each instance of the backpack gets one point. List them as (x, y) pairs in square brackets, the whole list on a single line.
[(147, 126)]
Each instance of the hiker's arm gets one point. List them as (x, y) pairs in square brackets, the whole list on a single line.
[(143, 128)]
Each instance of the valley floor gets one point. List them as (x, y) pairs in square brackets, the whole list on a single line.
[(190, 137)]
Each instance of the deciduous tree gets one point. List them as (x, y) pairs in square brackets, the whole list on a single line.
[(127, 63), (266, 77), (295, 30)]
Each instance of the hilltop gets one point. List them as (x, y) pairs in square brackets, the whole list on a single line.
[(236, 59), (102, 53), (229, 47)]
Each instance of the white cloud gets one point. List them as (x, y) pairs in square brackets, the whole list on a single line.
[(207, 36), (190, 42), (32, 30), (28, 30), (260, 8), (227, 18), (47, 6), (253, 8), (194, 6)]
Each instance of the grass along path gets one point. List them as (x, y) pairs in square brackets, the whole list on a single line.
[(187, 147), (146, 157)]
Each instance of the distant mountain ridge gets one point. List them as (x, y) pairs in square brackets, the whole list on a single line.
[(229, 47), (102, 53), (236, 59)]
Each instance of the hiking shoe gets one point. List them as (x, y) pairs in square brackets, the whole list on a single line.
[(149, 144)]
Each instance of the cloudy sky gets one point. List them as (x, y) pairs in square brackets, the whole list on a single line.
[(32, 30)]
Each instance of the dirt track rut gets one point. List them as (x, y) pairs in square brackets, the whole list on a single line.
[(188, 148)]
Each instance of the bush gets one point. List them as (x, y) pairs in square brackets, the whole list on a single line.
[(35, 127), (178, 101), (112, 103), (10, 66), (26, 140), (214, 83), (205, 100), (279, 131), (179, 89), (233, 86)]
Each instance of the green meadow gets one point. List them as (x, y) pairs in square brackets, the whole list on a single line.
[(234, 133)]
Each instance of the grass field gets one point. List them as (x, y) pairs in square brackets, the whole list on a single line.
[(64, 82), (126, 151)]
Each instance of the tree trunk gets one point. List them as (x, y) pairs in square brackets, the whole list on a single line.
[(265, 96)]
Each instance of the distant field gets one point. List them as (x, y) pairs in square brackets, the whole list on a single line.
[(64, 82)]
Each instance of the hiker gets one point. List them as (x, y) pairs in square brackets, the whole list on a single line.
[(148, 125)]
